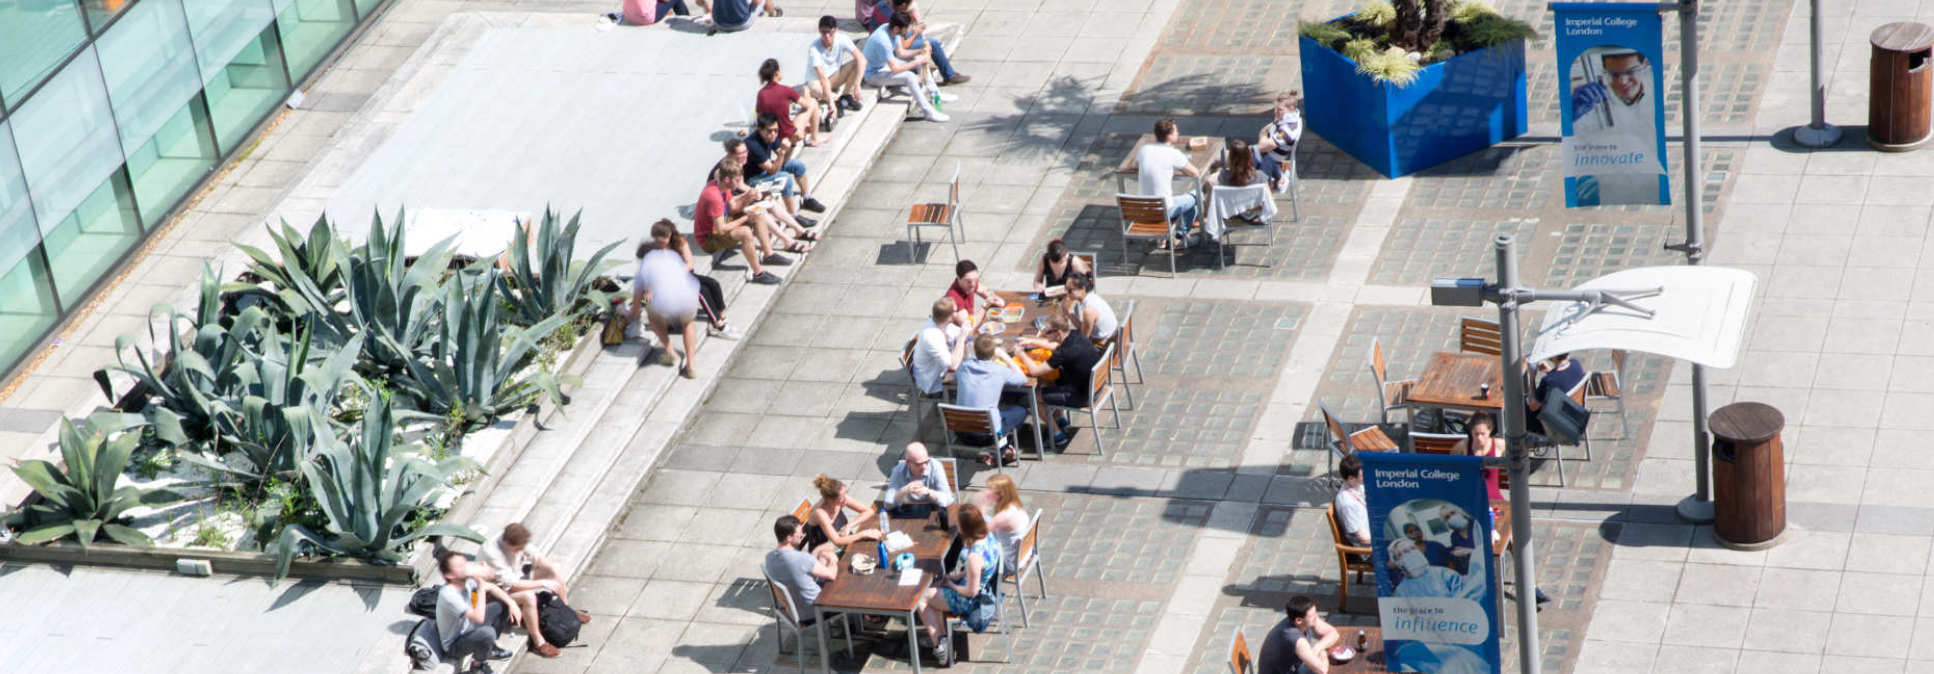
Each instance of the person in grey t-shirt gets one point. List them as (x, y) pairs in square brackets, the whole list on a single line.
[(467, 627), (801, 572)]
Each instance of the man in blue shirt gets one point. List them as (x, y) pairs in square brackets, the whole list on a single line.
[(918, 30), (737, 15), (981, 383), (889, 63)]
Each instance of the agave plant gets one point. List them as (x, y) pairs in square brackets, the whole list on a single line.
[(477, 365), (279, 410), (83, 499), (189, 392), (558, 285), (392, 299), (368, 488), (306, 282)]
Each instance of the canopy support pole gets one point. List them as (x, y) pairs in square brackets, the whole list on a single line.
[(1697, 508)]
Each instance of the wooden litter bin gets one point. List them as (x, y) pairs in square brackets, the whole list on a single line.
[(1748, 476), (1901, 79)]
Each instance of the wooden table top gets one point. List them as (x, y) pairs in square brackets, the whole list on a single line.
[(1030, 310), (1452, 379), (881, 590), (1369, 661), (1199, 156)]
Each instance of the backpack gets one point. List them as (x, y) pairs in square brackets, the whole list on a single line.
[(558, 621), (423, 602)]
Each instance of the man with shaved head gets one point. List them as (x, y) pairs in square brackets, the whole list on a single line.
[(918, 483)]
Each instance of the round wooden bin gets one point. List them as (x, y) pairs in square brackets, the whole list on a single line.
[(1901, 78), (1748, 476)]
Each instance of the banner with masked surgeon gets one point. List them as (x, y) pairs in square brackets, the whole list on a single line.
[(1430, 525), (1612, 103)]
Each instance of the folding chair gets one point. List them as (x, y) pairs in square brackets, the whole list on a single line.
[(1124, 350), (1392, 395), (1435, 443), (1099, 393), (1027, 562), (916, 398), (1602, 385), (1343, 443), (1349, 559), (1255, 219), (1478, 335), (805, 508), (1000, 613), (1291, 182), (977, 420), (1239, 662), (952, 468), (945, 216), (786, 615), (1145, 218), (1093, 259)]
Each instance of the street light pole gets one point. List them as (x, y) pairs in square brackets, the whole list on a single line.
[(1817, 133), (1522, 559), (1697, 508)]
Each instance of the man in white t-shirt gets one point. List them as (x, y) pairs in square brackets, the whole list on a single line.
[(508, 562), (465, 622), (834, 65), (938, 349), (1276, 145), (1352, 513), (1156, 164)]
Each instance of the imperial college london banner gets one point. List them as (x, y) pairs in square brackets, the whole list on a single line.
[(1430, 528), (1612, 104)]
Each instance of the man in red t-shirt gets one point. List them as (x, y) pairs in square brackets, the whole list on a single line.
[(719, 231), (776, 99)]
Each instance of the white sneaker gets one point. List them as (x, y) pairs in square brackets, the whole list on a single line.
[(728, 332), (948, 98), (938, 116)]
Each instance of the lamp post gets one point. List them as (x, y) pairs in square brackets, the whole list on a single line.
[(1817, 133), (1697, 508)]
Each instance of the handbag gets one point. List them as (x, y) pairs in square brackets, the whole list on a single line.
[(1564, 419), (616, 324)]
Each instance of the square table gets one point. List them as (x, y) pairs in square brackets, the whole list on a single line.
[(1371, 660), (880, 592), (1454, 379), (1011, 331), (1211, 148)]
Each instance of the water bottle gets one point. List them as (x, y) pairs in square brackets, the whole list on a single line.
[(936, 100), (885, 526)]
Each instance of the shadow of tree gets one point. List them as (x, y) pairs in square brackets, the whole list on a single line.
[(1042, 128), (1186, 95)]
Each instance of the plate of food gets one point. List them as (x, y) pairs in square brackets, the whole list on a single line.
[(863, 564), (1012, 314), (992, 327), (1342, 653)]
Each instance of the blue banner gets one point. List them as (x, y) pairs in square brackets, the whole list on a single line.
[(1611, 98), (1437, 590)]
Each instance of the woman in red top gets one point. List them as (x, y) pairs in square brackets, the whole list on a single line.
[(1480, 440), (966, 289), (776, 99)]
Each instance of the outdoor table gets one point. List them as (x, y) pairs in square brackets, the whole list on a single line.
[(1011, 331), (1453, 380), (1370, 660), (1211, 148), (880, 592)]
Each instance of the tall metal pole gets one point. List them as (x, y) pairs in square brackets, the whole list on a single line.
[(1697, 509), (1520, 458), (1818, 133)]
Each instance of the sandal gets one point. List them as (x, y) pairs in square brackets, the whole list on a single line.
[(799, 247), (809, 236)]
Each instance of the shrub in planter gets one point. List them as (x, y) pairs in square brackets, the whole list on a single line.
[(83, 498), (1406, 85)]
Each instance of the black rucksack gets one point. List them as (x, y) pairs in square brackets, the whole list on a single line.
[(423, 603), (558, 621)]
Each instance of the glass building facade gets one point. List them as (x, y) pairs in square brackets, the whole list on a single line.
[(111, 111)]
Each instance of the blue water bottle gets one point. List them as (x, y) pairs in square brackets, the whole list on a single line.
[(882, 548)]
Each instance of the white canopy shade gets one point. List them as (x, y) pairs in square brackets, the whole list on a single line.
[(1699, 315)]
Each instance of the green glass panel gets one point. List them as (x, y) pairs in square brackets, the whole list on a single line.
[(91, 239), (35, 36), (100, 12), (246, 88), (310, 28), (27, 308), (172, 161), (365, 7)]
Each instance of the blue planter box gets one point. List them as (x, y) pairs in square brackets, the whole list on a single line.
[(1468, 103)]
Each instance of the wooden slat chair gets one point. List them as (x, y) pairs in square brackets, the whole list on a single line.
[(1603, 385), (977, 420), (1435, 443), (786, 615), (1093, 260), (1027, 562), (937, 215), (952, 468), (1239, 661), (1251, 219), (1000, 613), (1344, 443), (805, 508), (1145, 218), (915, 398), (1478, 335), (1124, 352), (1099, 393), (1349, 559), (1393, 395)]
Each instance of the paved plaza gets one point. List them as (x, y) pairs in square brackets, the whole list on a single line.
[(1202, 517)]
